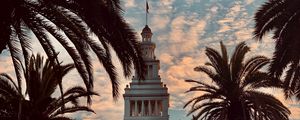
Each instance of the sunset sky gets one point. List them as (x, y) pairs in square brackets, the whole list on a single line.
[(181, 30)]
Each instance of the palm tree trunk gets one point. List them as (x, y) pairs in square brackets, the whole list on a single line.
[(236, 111), (244, 110), (20, 110)]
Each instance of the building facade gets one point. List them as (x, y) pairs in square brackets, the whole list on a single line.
[(147, 99)]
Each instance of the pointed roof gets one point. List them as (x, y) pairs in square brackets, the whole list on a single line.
[(146, 29)]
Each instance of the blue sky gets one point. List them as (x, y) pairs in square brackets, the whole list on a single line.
[(181, 30)]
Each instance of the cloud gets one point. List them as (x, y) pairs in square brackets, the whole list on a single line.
[(132, 20), (175, 75), (243, 34), (249, 1), (159, 22), (6, 64), (130, 4), (214, 9), (166, 58), (167, 2), (185, 35), (236, 19)]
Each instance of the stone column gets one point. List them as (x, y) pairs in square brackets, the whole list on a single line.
[(127, 108), (135, 108), (156, 108), (165, 106), (143, 108), (149, 108)]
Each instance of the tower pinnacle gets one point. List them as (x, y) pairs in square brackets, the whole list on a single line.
[(146, 34)]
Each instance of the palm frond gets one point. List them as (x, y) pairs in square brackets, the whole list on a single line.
[(202, 87), (71, 110), (254, 64), (206, 108), (269, 104), (202, 98), (9, 88), (266, 16), (16, 58), (224, 53), (237, 59), (22, 33), (214, 76)]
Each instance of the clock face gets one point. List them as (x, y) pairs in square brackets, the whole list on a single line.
[(148, 51)]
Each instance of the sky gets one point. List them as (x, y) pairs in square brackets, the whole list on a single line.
[(181, 30)]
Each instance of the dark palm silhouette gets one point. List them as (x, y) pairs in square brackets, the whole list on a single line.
[(42, 78), (282, 17), (76, 25), (233, 94)]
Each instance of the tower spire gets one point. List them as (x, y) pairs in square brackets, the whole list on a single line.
[(147, 11), (146, 33)]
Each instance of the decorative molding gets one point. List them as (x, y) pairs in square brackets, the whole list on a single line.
[(148, 95)]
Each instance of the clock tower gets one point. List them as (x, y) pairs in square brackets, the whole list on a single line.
[(147, 99)]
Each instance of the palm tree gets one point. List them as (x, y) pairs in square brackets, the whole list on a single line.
[(73, 23), (42, 78), (233, 93), (282, 17)]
